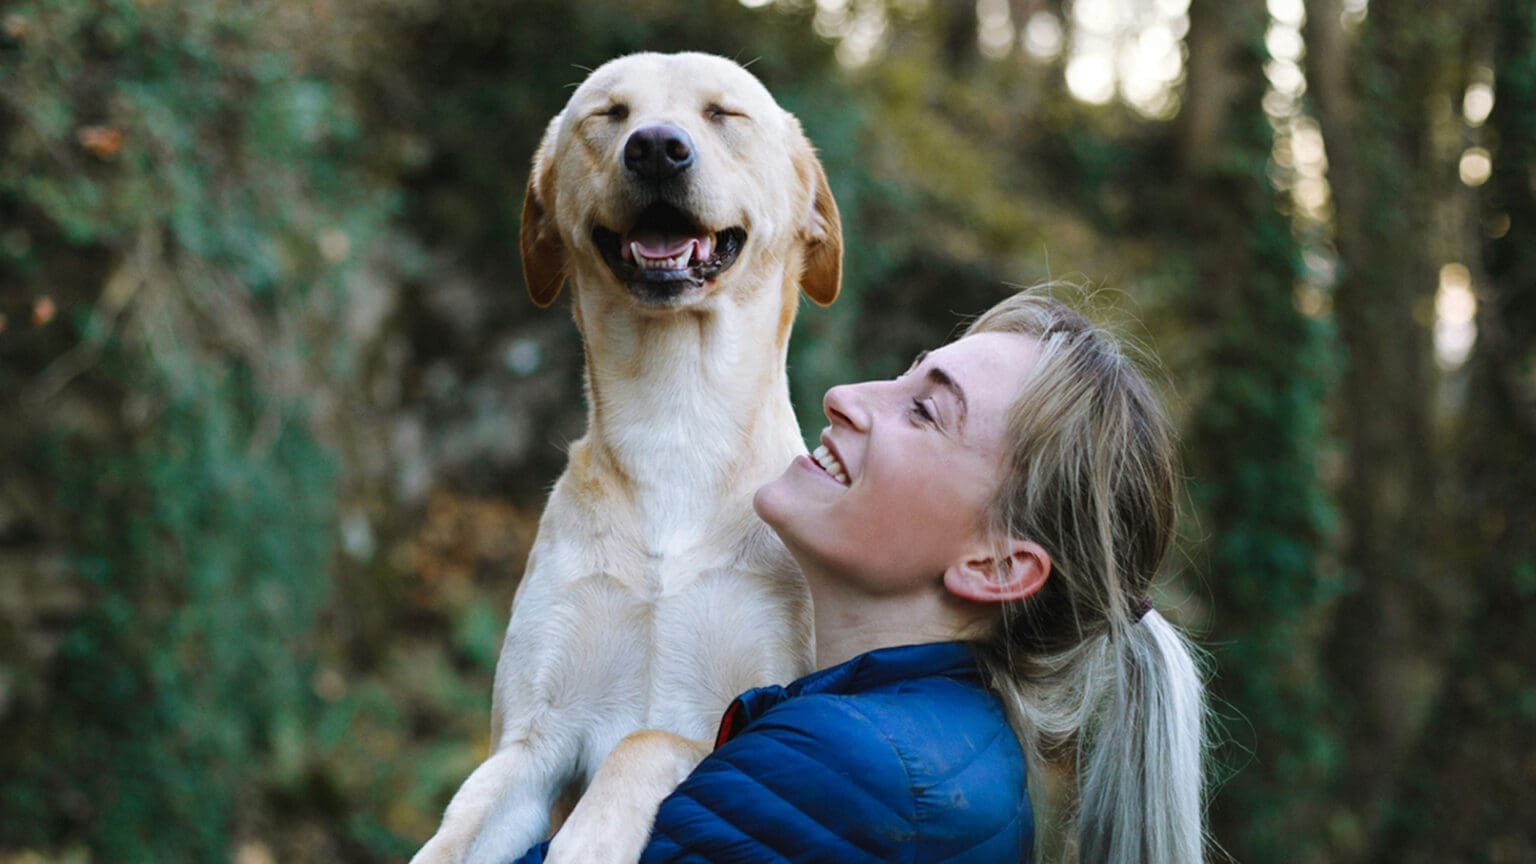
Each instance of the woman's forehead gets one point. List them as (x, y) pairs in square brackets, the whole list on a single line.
[(992, 357), (990, 369)]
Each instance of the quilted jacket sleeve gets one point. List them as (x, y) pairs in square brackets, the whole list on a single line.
[(812, 780)]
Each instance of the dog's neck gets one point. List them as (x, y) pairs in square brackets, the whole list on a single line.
[(690, 407)]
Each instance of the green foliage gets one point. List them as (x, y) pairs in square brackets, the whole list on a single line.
[(1267, 517), (193, 142), (205, 562)]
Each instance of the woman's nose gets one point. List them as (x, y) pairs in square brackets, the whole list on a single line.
[(847, 404)]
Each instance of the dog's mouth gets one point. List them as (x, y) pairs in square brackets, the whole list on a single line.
[(665, 254)]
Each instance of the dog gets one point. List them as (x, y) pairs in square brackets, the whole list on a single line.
[(688, 212)]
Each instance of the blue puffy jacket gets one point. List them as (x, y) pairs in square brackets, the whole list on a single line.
[(900, 754)]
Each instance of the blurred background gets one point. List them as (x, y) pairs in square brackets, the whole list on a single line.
[(277, 418)]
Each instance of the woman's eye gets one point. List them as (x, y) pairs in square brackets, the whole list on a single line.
[(921, 410)]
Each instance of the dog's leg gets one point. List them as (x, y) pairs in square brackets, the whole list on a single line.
[(502, 808), (612, 821), (568, 665)]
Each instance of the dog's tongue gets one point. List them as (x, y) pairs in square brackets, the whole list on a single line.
[(655, 244)]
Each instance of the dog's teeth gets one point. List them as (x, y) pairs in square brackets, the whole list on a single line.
[(706, 248), (680, 261)]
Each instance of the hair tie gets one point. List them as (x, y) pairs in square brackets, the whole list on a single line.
[(1142, 609)]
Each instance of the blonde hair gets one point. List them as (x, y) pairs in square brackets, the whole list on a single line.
[(1083, 672)]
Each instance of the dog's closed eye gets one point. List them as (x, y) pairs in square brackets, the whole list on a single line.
[(719, 113)]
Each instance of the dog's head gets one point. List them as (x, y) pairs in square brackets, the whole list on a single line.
[(672, 175)]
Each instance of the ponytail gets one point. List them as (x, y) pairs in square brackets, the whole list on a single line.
[(1131, 709), (1139, 765)]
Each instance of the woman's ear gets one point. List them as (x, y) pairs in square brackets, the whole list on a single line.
[(984, 579)]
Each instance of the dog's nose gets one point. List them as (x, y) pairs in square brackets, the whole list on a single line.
[(658, 152)]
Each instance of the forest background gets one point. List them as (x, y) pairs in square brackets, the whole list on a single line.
[(277, 418)]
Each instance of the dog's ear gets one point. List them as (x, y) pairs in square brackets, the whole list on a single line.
[(822, 232), (543, 250)]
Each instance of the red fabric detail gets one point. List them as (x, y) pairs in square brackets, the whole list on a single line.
[(730, 723)]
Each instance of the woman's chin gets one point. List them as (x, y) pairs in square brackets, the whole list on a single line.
[(769, 501)]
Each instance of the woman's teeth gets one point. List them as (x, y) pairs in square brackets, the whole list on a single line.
[(829, 463)]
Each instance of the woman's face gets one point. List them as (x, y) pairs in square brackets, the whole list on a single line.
[(910, 465)]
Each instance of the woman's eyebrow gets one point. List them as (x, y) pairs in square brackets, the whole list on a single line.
[(943, 379)]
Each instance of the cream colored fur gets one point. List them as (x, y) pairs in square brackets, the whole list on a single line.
[(653, 594)]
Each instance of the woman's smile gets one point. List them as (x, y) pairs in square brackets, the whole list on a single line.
[(826, 457)]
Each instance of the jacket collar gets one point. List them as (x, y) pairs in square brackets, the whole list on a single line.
[(863, 673)]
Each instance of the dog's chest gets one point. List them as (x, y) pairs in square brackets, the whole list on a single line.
[(677, 658), (725, 633), (708, 635)]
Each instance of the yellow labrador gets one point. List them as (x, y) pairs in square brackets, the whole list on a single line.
[(687, 211)]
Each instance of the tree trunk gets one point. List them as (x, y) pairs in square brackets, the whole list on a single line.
[(1468, 795), (1373, 99), (1252, 447), (957, 36)]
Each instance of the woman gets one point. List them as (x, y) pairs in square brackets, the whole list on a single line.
[(979, 536)]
